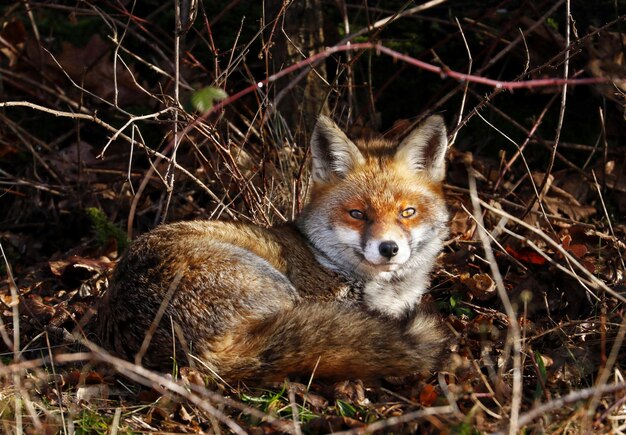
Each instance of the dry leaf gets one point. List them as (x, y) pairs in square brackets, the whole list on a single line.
[(481, 285), (315, 400), (91, 393), (183, 414), (428, 395), (192, 376), (34, 306), (8, 300), (615, 175), (462, 225), (562, 202), (526, 255), (350, 392), (13, 38), (558, 201), (578, 250), (76, 377), (606, 60), (81, 268), (69, 160)]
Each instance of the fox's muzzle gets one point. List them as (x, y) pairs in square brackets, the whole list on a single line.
[(388, 248)]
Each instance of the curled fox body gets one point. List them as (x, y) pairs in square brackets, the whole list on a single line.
[(334, 293)]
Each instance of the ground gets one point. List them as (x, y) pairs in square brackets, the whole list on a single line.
[(112, 122)]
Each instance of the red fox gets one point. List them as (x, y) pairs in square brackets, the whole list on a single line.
[(334, 294)]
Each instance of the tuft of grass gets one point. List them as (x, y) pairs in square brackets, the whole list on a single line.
[(542, 376), (90, 422), (464, 429), (345, 409), (276, 403), (271, 402)]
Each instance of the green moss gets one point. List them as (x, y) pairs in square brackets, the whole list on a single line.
[(104, 229)]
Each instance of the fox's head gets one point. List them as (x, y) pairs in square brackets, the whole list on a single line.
[(376, 208)]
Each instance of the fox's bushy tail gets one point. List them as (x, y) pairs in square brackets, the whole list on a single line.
[(330, 341)]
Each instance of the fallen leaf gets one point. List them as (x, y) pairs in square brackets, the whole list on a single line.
[(157, 414), (68, 162), (526, 255), (350, 392), (578, 250), (8, 300), (483, 326), (315, 400), (12, 40), (79, 268), (462, 225), (428, 395), (606, 60), (36, 308), (480, 285), (149, 396), (183, 414), (559, 201), (191, 376), (563, 202), (92, 393)]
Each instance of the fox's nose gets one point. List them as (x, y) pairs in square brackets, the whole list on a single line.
[(388, 248)]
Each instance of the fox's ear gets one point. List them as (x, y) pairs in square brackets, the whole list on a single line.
[(424, 149), (334, 155)]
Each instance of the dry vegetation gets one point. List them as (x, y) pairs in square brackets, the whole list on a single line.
[(107, 129)]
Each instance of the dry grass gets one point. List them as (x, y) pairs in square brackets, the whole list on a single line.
[(99, 140)]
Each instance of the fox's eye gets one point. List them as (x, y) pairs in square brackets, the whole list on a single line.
[(407, 212), (357, 214)]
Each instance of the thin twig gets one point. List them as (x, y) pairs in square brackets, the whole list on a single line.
[(17, 381), (466, 87), (559, 126), (404, 418), (514, 328), (572, 397)]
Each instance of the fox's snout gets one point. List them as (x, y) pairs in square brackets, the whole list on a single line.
[(388, 248)]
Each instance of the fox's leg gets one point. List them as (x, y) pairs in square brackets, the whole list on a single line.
[(332, 341)]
